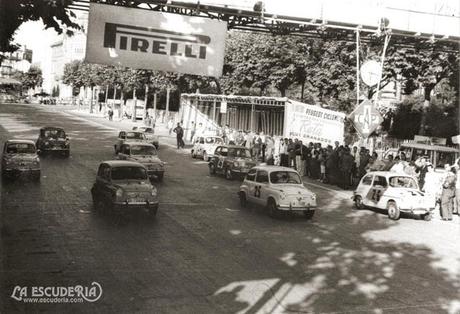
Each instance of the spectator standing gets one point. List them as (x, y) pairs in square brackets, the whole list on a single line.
[(291, 153), (179, 136), (448, 193), (298, 157), (284, 156), (346, 166)]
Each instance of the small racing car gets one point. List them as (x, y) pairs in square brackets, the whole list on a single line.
[(204, 146), (145, 154), (393, 191), (231, 161), (279, 189), (53, 140), (129, 136), (149, 134), (20, 157), (123, 186)]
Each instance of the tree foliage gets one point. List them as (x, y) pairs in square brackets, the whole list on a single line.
[(53, 13), (30, 79)]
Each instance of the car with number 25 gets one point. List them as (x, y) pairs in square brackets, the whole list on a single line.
[(279, 189), (394, 192)]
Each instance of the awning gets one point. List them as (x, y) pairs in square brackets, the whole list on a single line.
[(9, 81)]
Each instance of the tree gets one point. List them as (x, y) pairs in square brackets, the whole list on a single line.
[(53, 13), (30, 79)]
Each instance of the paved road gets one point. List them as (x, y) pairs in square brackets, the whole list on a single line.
[(202, 254)]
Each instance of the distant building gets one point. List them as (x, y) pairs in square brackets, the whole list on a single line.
[(64, 50), (19, 60)]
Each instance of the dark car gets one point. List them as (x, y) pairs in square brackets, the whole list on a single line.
[(53, 139), (123, 187), (145, 154), (149, 134), (20, 157), (231, 161)]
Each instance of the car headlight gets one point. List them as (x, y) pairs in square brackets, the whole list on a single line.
[(119, 193), (236, 164), (154, 192)]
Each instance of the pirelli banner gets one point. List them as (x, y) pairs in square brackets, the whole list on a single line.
[(144, 39), (313, 124)]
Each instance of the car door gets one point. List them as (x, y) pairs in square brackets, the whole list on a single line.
[(364, 188), (223, 152), (377, 190), (260, 187), (249, 181)]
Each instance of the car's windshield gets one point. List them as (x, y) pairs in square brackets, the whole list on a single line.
[(143, 150), (129, 173), (239, 152), (403, 182), (279, 177), (54, 133), (213, 140), (147, 130), (135, 135), (20, 148)]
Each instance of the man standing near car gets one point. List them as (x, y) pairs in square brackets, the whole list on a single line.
[(448, 194), (179, 135)]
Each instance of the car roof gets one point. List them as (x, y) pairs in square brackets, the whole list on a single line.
[(445, 149), (273, 168), (389, 174), (14, 141), (51, 128), (131, 131), (122, 163)]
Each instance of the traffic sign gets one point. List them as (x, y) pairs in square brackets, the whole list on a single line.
[(366, 118), (371, 72)]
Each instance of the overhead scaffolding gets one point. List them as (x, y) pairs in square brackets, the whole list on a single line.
[(248, 20)]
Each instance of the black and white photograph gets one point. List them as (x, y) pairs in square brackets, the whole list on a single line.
[(240, 157)]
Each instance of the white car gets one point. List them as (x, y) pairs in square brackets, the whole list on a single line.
[(205, 146), (277, 188), (394, 192)]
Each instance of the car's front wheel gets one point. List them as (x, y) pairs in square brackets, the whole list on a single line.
[(272, 209), (308, 214), (393, 210), (228, 174), (160, 177), (243, 200), (427, 217), (212, 169), (358, 202)]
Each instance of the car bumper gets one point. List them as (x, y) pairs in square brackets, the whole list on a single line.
[(417, 211), (297, 207), (21, 170), (55, 149), (126, 206)]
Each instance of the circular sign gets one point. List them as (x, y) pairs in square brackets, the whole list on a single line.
[(371, 72)]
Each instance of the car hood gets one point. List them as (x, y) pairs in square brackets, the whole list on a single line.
[(292, 189), (146, 159), (21, 157), (134, 185)]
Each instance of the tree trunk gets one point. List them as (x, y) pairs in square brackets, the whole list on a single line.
[(122, 102), (145, 101), (134, 111), (168, 91), (106, 94), (427, 94), (302, 91), (91, 100)]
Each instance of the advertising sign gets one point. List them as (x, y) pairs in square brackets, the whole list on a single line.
[(366, 118), (144, 39), (312, 123), (223, 106)]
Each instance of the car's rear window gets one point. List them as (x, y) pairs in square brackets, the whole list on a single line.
[(20, 148), (135, 135), (54, 133), (143, 150), (129, 173), (403, 182)]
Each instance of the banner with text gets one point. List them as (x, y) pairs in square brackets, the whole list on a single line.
[(313, 124), (144, 39)]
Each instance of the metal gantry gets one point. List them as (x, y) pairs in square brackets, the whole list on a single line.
[(247, 20)]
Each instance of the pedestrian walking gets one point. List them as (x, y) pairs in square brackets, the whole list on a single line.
[(448, 193), (179, 136), (110, 113)]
